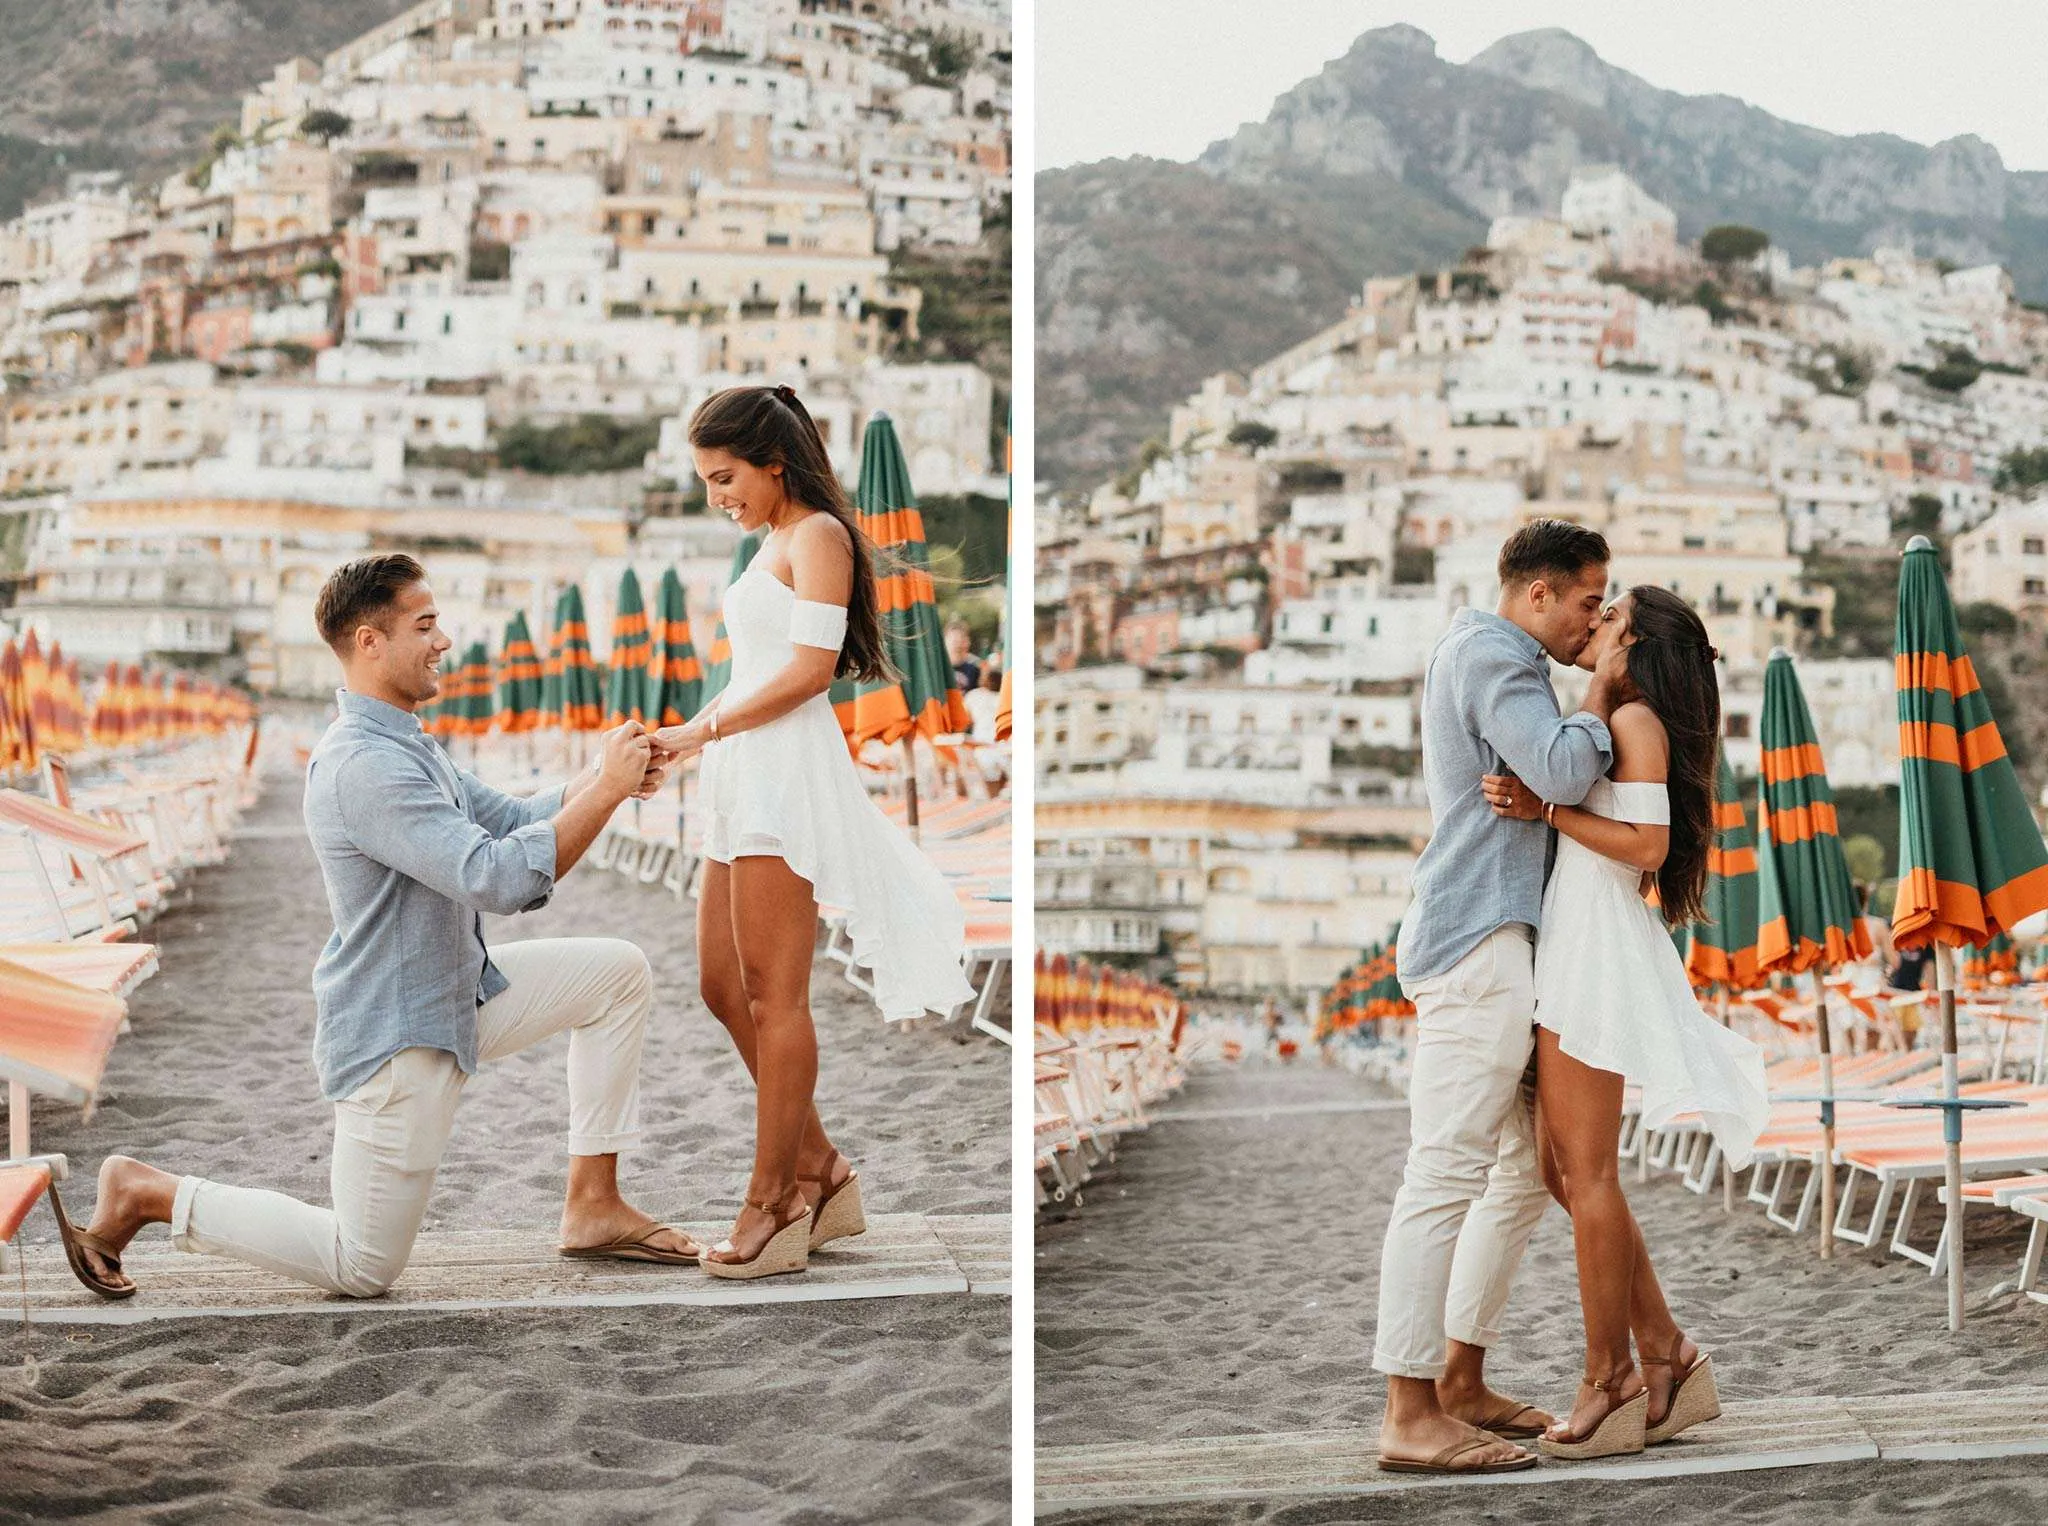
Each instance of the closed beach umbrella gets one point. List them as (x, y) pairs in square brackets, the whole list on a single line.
[(478, 698), (1806, 906), (518, 678), (922, 699), (42, 699), (582, 681), (1971, 860), (18, 747), (675, 678), (551, 671), (1724, 940), (110, 709), (625, 694)]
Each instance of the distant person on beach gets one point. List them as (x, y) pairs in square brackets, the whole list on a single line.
[(960, 653), (788, 826), (410, 998), (1615, 1009), (1473, 1188)]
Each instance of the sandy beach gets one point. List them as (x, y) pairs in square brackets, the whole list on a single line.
[(1221, 1279), (828, 1411)]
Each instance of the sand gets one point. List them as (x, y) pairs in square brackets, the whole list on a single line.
[(1221, 1279), (896, 1408)]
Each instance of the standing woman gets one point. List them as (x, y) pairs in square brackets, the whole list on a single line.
[(1614, 1008), (787, 824)]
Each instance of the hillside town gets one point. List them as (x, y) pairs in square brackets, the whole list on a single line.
[(456, 287), (1232, 633)]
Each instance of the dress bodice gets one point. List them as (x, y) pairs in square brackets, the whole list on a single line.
[(1645, 803), (762, 616)]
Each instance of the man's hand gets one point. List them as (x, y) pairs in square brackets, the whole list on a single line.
[(1610, 688), (625, 761), (1511, 798), (651, 784)]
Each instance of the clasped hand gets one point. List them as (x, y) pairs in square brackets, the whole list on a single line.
[(629, 762)]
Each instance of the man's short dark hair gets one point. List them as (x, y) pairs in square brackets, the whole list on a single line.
[(1555, 550), (361, 593)]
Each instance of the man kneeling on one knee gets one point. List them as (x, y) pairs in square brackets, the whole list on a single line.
[(413, 851)]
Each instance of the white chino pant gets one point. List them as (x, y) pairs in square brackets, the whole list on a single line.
[(390, 1132), (1473, 1190)]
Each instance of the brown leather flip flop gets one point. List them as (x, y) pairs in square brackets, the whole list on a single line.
[(635, 1248), (1505, 1426), (77, 1242), (1445, 1461)]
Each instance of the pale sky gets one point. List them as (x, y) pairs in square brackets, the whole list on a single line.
[(1168, 77)]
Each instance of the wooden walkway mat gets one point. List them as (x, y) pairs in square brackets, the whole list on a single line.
[(1772, 1433), (900, 1256)]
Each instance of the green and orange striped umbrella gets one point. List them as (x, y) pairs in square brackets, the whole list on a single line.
[(551, 671), (519, 678), (1971, 860), (718, 668), (1807, 917), (625, 693), (1806, 905), (476, 707), (1724, 941), (582, 679), (675, 679), (1996, 963), (922, 699)]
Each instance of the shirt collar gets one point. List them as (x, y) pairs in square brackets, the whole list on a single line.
[(1529, 645), (378, 715)]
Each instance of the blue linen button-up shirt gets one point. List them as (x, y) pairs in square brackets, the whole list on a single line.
[(1488, 708), (412, 850)]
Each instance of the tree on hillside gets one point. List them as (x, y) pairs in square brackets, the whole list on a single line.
[(2021, 471), (1251, 435), (325, 126), (1733, 244)]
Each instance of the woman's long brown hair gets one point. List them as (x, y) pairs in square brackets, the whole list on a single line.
[(1671, 664), (769, 426)]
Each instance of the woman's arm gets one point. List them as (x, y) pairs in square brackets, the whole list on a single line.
[(821, 563), (1641, 756)]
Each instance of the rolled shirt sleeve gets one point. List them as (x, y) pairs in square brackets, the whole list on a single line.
[(500, 813), (1511, 704), (396, 813)]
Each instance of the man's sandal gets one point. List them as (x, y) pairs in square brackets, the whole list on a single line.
[(1446, 1461), (1509, 1425), (634, 1247), (77, 1242)]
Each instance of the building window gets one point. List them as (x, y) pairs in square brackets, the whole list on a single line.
[(1738, 725)]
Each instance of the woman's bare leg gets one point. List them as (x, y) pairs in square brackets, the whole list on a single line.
[(725, 993), (774, 921), (1582, 1121)]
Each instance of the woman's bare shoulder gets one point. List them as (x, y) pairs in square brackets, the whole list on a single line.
[(1642, 750)]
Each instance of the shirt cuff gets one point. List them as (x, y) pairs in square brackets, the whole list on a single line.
[(546, 805), (1587, 721), (537, 842)]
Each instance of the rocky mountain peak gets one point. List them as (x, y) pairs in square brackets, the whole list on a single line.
[(1551, 58)]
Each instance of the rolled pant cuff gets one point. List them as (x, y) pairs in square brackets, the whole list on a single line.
[(181, 1210), (603, 1144), (1395, 1368), (1471, 1335)]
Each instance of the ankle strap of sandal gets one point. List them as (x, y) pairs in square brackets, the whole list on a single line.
[(1666, 1361), (823, 1174)]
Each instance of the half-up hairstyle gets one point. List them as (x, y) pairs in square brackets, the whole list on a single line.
[(1671, 664), (769, 426)]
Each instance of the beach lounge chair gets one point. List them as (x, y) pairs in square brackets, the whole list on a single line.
[(22, 1182), (68, 875), (54, 1042)]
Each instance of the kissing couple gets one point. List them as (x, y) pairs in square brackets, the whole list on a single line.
[(413, 851), (1544, 983)]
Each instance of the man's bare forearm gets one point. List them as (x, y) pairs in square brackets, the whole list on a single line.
[(586, 806)]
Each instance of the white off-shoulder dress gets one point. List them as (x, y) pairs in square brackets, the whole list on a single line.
[(789, 790), (1611, 985)]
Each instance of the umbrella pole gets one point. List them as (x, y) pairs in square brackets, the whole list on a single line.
[(910, 784), (1727, 1171), (17, 1121), (1827, 1116), (1951, 1131)]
